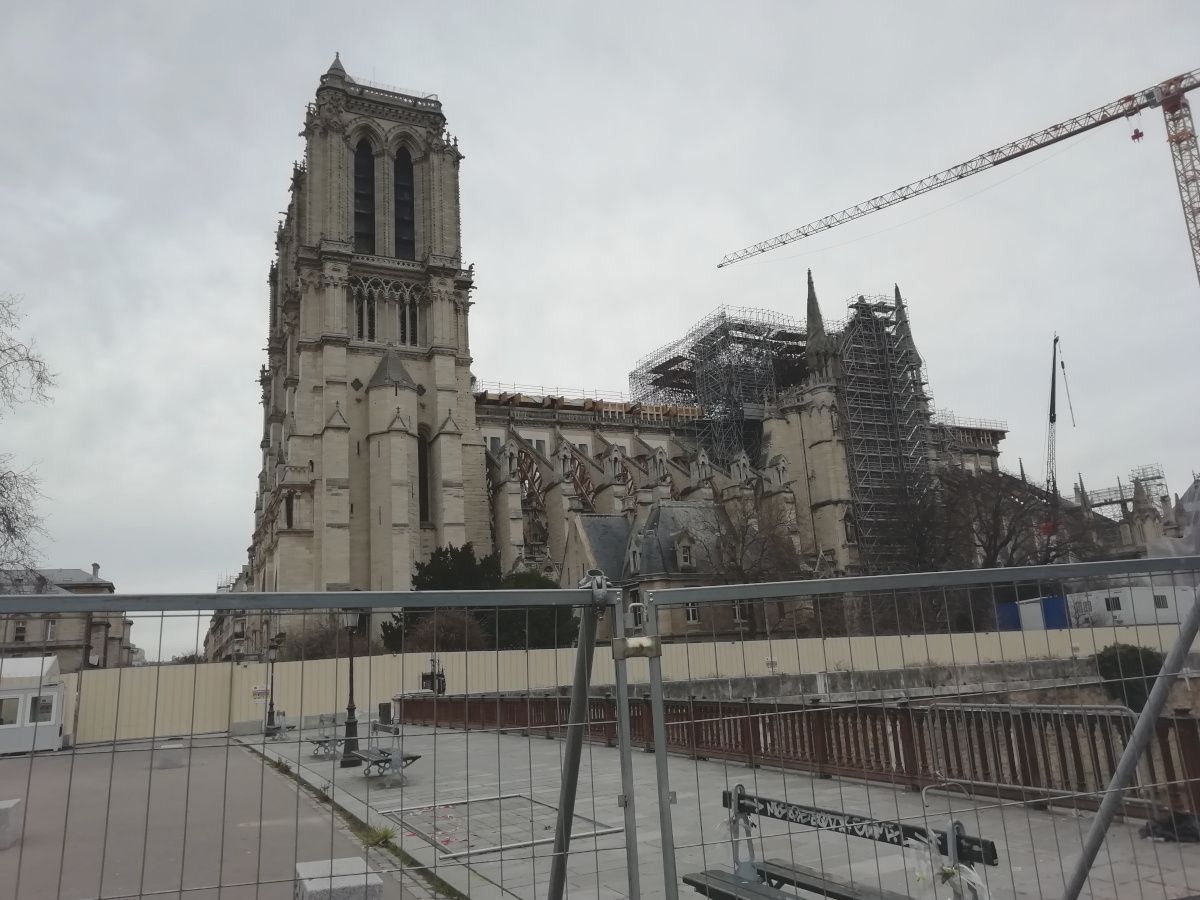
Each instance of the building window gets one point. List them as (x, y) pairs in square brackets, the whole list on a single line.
[(371, 317), (739, 611), (693, 613), (405, 206), (583, 448), (412, 323), (8, 710), (288, 509), (364, 197), (494, 444), (41, 709), (19, 631), (402, 320), (685, 555), (540, 446), (1112, 604), (423, 477), (51, 630), (1160, 601)]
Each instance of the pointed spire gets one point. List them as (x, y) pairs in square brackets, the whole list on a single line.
[(903, 329), (1141, 503), (335, 67), (815, 324)]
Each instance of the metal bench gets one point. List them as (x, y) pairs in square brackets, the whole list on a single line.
[(381, 762), (326, 747), (721, 885), (760, 879)]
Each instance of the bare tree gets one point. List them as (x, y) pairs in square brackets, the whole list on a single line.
[(24, 378), (752, 538)]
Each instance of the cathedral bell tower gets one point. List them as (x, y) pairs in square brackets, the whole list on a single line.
[(369, 420)]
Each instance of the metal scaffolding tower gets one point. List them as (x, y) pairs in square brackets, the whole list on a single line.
[(734, 362), (885, 412), (731, 363), (1152, 478)]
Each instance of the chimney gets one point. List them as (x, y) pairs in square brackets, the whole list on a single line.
[(95, 570)]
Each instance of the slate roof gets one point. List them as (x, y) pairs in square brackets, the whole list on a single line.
[(665, 522), (391, 371), (608, 535), (73, 576), (14, 581)]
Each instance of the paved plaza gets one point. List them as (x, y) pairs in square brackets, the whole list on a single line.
[(103, 822), (479, 809), (498, 843)]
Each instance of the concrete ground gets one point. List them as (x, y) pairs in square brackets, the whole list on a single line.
[(1036, 847), (101, 822)]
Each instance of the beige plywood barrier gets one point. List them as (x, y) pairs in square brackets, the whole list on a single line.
[(170, 700)]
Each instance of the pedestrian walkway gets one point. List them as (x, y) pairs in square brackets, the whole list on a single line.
[(479, 809), (105, 822)]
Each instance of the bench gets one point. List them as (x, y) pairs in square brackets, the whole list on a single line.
[(721, 885), (778, 872), (326, 747), (383, 762), (760, 879)]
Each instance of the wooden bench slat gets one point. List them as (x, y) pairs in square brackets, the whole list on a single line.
[(809, 879), (721, 885)]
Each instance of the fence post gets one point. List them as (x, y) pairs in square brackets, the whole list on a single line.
[(625, 753), (1127, 767), (576, 726), (816, 718), (747, 733), (1187, 729), (665, 795), (910, 766)]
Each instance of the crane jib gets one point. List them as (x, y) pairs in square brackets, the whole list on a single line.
[(1168, 94)]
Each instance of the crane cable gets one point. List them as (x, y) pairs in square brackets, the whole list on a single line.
[(1063, 365)]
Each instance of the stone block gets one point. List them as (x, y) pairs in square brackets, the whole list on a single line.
[(11, 819), (348, 878), (171, 755)]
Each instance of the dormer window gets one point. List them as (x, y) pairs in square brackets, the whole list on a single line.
[(635, 559), (685, 555)]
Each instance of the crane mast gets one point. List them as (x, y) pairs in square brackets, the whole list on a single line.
[(1051, 446), (1181, 136)]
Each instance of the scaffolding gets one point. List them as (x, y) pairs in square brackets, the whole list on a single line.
[(1152, 478), (731, 363), (885, 411), (736, 361)]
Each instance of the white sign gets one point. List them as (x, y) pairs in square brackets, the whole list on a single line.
[(258, 693)]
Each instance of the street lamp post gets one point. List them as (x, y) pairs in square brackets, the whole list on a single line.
[(272, 655), (349, 621)]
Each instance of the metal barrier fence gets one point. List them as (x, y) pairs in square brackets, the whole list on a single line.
[(931, 735), (1058, 756)]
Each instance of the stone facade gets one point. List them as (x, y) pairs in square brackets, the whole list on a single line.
[(378, 445), (79, 640)]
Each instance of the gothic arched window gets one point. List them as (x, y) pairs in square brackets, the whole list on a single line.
[(423, 477), (364, 197), (404, 205)]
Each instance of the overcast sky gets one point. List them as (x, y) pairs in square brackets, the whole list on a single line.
[(614, 153)]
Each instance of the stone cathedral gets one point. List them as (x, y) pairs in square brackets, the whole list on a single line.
[(378, 444)]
